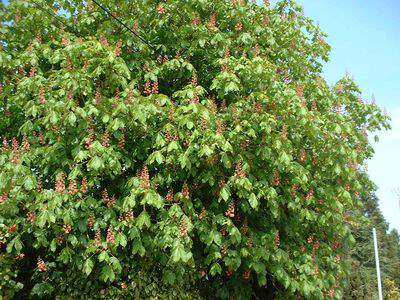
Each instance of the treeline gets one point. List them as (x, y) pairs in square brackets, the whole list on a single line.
[(363, 279)]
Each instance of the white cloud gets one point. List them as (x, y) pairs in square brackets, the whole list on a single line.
[(384, 170)]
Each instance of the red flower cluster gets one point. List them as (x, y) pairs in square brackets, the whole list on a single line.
[(20, 256), (303, 155), (284, 131), (230, 212), (331, 293), (196, 21), (194, 79), (105, 140), (277, 241), (229, 272), (64, 41), (97, 96), (38, 37), (170, 196), (90, 221), (70, 65), (277, 179), (266, 20), (105, 198), (145, 178), (25, 143), (72, 187), (171, 111), (212, 22), (110, 238), (336, 259), (103, 41), (89, 6), (129, 216), (154, 89), (84, 185), (97, 238), (195, 98), (147, 87), (161, 9), (3, 197), (15, 151), (185, 191), (31, 217), (245, 228), (13, 228), (41, 138), (111, 202), (246, 274), (203, 123), (41, 265), (224, 250), (257, 106), (135, 25), (294, 189), (202, 214), (67, 228), (183, 227), (239, 172), (117, 51), (42, 96), (121, 142), (310, 194), (60, 185)]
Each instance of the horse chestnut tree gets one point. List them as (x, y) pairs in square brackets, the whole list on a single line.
[(175, 149)]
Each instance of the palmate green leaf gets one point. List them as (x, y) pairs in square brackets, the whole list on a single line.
[(103, 256), (42, 289), (206, 151), (153, 199), (138, 248), (225, 193), (13, 244), (65, 255), (116, 264), (169, 277), (107, 274), (253, 201), (185, 161), (71, 119), (53, 245), (95, 163), (159, 158), (29, 184), (179, 254), (143, 220), (88, 266), (215, 269), (172, 146), (235, 235)]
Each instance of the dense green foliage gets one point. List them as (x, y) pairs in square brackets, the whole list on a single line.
[(363, 282), (212, 160)]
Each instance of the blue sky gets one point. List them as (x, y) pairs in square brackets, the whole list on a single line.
[(365, 40)]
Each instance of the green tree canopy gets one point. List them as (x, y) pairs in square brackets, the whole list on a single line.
[(199, 153)]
